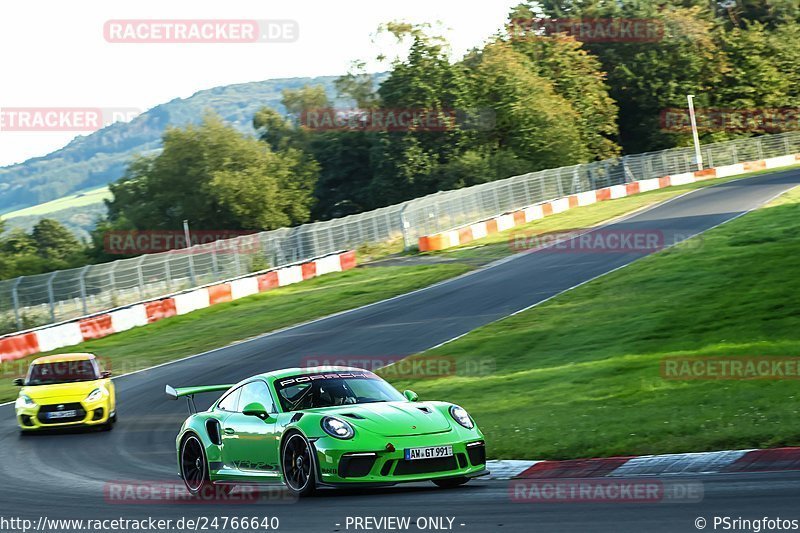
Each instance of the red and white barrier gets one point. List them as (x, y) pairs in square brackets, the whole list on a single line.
[(290, 275), (726, 461), (506, 221), (50, 338), (191, 301), (243, 287), (128, 318), (56, 337)]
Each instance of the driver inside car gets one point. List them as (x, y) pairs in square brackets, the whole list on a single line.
[(332, 394)]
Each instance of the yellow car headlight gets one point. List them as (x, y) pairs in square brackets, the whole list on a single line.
[(24, 401), (95, 395)]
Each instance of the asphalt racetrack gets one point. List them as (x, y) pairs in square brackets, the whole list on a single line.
[(68, 475)]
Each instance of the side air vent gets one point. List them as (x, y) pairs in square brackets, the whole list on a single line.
[(353, 415), (426, 410), (296, 417), (212, 428)]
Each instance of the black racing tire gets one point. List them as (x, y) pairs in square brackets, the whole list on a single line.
[(193, 465), (450, 482), (297, 465)]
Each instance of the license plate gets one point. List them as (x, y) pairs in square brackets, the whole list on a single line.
[(62, 414), (429, 452)]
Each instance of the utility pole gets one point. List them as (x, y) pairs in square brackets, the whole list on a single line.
[(698, 156), (188, 238)]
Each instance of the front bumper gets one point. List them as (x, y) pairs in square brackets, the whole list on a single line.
[(87, 414), (342, 462)]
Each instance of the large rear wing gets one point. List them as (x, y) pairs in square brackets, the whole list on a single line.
[(189, 392)]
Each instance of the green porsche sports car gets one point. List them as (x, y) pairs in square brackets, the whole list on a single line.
[(324, 426)]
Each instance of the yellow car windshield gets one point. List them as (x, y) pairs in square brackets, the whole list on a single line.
[(62, 372)]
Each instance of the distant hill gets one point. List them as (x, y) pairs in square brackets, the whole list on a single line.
[(97, 159), (79, 212)]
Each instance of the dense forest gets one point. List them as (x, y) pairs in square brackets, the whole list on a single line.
[(546, 99)]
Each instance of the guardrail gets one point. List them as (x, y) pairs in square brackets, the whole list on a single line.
[(100, 325), (504, 221)]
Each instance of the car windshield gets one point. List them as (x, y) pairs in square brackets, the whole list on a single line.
[(62, 372), (330, 389)]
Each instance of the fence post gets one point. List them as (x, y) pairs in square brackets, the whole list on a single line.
[(626, 170), (111, 282), (387, 222), (315, 241), (542, 188), (190, 251), (237, 263), (82, 281), (214, 261), (576, 178), (51, 296), (168, 270), (140, 275), (346, 234), (496, 204), (558, 183), (510, 204), (375, 229), (15, 298), (331, 241), (528, 194), (404, 228)]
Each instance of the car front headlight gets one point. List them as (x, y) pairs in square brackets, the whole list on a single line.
[(337, 428), (461, 416), (24, 401), (95, 395)]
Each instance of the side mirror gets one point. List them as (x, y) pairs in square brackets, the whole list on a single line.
[(255, 409), (410, 395), (105, 374), (19, 382)]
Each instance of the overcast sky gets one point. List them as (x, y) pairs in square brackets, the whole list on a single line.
[(55, 54)]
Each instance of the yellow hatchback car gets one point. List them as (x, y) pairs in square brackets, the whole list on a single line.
[(64, 391)]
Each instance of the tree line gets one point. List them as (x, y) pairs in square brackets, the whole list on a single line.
[(550, 99)]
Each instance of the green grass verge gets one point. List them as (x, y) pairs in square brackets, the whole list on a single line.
[(579, 376), (181, 336)]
